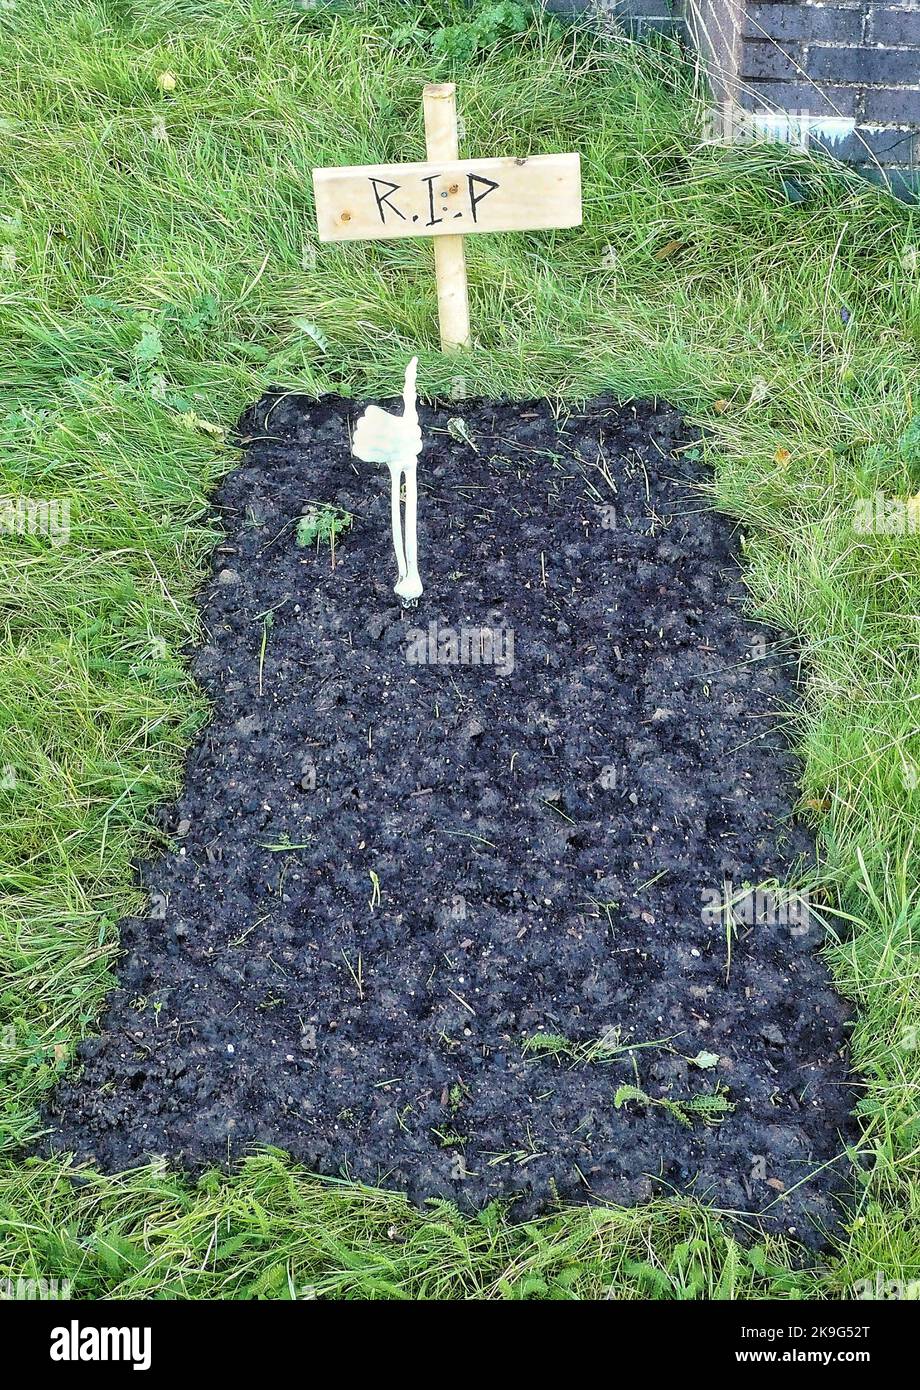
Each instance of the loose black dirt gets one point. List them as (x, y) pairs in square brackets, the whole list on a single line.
[(392, 866)]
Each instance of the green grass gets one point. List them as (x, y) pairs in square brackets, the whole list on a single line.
[(150, 288)]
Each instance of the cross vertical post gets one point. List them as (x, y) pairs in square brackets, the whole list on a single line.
[(439, 101), (448, 198)]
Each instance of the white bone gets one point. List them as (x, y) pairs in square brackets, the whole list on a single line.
[(396, 520), (396, 440), (409, 586)]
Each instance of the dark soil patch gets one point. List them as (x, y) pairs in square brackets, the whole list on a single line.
[(545, 840)]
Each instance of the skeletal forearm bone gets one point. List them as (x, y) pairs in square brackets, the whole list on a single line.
[(397, 441), (409, 586), (396, 519)]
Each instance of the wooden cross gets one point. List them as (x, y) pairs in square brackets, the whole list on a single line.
[(447, 198)]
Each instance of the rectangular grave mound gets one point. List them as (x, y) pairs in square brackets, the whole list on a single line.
[(443, 883)]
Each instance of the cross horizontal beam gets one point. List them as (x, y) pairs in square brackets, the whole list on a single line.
[(445, 198)]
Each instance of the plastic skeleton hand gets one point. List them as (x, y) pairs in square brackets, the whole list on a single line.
[(396, 440)]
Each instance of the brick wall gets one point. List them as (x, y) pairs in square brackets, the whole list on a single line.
[(638, 17), (853, 66)]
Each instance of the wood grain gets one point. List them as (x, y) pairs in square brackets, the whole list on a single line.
[(446, 198)]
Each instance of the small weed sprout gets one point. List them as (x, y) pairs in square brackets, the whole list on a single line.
[(322, 524), (607, 1048), (709, 1107), (284, 845)]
